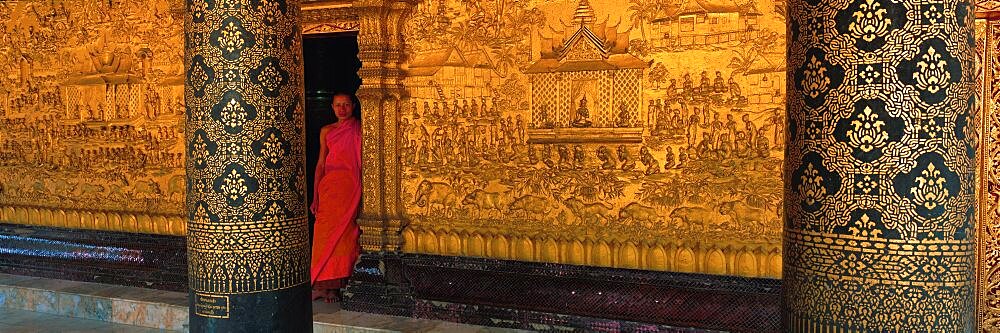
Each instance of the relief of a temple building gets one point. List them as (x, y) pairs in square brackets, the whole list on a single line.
[(586, 87)]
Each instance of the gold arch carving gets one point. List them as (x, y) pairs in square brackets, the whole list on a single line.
[(324, 28), (328, 17)]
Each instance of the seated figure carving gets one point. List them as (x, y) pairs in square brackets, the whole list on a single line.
[(582, 115)]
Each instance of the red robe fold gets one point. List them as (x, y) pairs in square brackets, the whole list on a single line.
[(335, 204)]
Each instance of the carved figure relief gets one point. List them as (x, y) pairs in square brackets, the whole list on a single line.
[(587, 132)]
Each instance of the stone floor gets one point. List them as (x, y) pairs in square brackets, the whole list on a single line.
[(24, 321), (32, 304)]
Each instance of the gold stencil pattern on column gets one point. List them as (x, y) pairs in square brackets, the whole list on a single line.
[(91, 106), (247, 229), (880, 195)]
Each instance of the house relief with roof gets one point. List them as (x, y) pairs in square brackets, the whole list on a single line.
[(704, 22), (586, 87), (457, 72)]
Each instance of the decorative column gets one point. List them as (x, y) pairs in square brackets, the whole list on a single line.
[(880, 167), (377, 284), (380, 50), (248, 237)]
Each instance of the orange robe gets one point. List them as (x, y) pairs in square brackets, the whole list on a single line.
[(335, 203)]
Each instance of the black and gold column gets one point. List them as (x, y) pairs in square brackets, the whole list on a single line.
[(879, 171), (248, 238)]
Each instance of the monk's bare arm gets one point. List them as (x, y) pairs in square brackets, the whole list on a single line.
[(319, 171)]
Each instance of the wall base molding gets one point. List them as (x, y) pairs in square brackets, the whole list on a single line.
[(128, 259), (534, 296)]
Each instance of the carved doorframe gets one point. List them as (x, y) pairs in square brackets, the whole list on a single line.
[(379, 25), (988, 152)]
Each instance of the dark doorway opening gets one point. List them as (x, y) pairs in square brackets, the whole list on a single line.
[(330, 64)]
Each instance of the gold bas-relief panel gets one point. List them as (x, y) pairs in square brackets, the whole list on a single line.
[(91, 106), (638, 134)]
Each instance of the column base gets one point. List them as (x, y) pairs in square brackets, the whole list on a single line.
[(287, 310), (377, 285)]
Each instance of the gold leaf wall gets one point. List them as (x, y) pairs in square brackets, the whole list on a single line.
[(91, 106), (640, 134), (643, 134)]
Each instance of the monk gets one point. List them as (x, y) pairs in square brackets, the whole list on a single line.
[(335, 201)]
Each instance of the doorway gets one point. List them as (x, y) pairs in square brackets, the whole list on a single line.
[(330, 64)]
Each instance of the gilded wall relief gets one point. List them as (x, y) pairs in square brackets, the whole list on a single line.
[(91, 104), (645, 134)]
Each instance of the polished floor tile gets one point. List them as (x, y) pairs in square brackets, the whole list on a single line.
[(330, 318)]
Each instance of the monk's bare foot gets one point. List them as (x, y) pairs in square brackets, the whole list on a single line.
[(319, 294), (333, 295)]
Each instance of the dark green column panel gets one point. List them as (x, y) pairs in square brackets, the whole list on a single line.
[(880, 167), (880, 196), (248, 238)]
